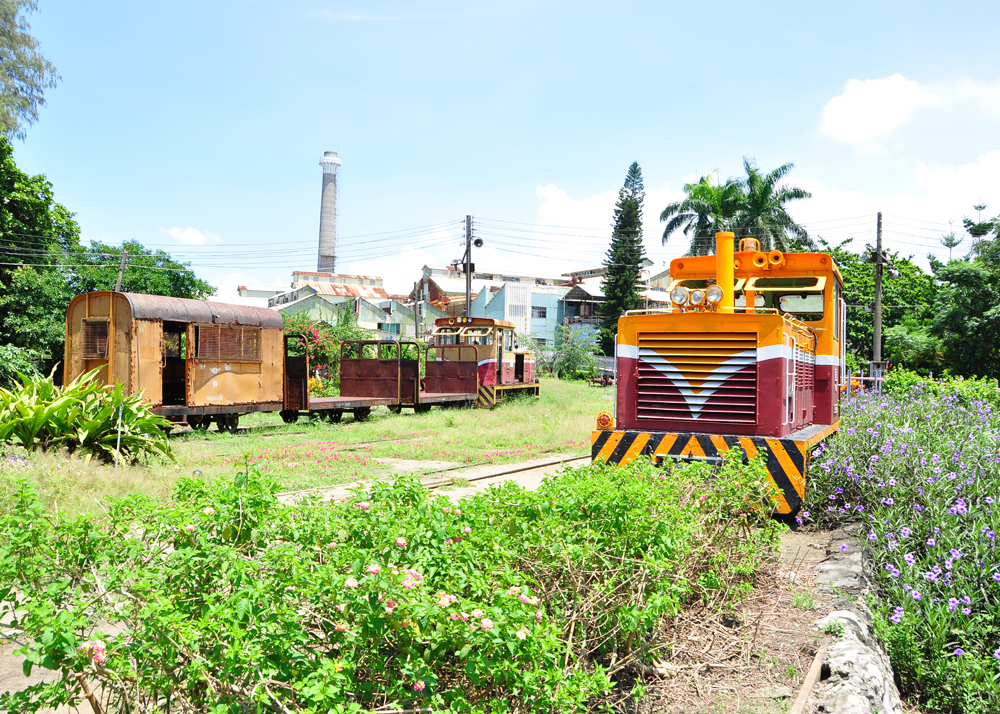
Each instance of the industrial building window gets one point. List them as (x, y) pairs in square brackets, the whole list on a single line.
[(228, 343), (538, 312), (541, 341), (95, 339)]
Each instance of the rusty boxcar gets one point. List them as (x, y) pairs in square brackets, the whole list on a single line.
[(206, 361)]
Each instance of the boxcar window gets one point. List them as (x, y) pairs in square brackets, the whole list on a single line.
[(228, 343), (171, 344), (448, 336), (95, 339)]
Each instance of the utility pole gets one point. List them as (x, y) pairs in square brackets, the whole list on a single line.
[(468, 266), (877, 346), (121, 271), (416, 310)]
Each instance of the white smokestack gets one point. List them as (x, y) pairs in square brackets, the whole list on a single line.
[(328, 213)]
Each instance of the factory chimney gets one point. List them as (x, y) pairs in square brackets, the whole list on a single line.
[(328, 213)]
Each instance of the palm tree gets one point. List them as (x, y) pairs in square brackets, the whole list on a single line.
[(707, 209), (763, 214)]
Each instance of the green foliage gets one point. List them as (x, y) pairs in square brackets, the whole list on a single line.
[(84, 415), (750, 206), (910, 344), (15, 361), (574, 350), (966, 315), (35, 311), (917, 467), (225, 600), (913, 290), (26, 73), (324, 339), (834, 627), (624, 258), (151, 272)]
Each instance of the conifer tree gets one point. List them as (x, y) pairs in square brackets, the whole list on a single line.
[(624, 259)]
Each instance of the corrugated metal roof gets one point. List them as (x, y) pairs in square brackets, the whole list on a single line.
[(348, 290), (337, 275), (160, 307)]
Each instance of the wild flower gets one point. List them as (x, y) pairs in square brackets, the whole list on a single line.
[(444, 600), (351, 583), (522, 633), (96, 650), (209, 511), (477, 613), (419, 685), (538, 615), (401, 542), (486, 623), (191, 527), (467, 530), (374, 569)]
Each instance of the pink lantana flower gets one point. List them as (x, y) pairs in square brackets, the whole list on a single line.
[(401, 542), (374, 569), (419, 685), (522, 633), (486, 623), (351, 583), (444, 600), (96, 650), (477, 613), (467, 530)]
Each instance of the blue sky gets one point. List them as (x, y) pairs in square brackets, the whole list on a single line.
[(197, 127)]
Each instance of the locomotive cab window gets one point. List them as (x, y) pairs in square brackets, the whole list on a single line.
[(809, 305), (478, 336), (448, 335)]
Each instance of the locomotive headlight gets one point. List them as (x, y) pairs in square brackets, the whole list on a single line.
[(679, 295), (697, 297), (713, 294)]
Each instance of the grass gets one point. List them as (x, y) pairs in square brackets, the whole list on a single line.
[(317, 453), (804, 600)]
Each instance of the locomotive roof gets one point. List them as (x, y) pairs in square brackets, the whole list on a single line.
[(161, 307)]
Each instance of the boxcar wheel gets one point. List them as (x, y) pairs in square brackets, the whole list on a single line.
[(199, 423), (334, 415), (362, 413), (421, 408), (228, 422), (396, 409), (288, 416)]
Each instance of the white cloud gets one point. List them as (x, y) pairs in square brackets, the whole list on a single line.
[(871, 109), (190, 236)]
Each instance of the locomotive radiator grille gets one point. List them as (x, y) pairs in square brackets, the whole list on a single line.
[(684, 376)]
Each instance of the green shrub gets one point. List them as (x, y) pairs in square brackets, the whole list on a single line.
[(903, 382), (227, 601), (15, 361), (85, 415)]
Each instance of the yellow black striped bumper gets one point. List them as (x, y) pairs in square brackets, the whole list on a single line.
[(787, 459)]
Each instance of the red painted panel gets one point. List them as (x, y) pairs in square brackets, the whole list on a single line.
[(827, 395)]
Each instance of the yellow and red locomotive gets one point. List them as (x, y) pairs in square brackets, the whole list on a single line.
[(750, 355)]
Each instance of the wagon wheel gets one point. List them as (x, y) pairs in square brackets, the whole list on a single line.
[(362, 413), (199, 423), (396, 408), (334, 415), (289, 416), (228, 422), (421, 408)]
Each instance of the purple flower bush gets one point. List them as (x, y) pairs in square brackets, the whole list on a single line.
[(920, 469)]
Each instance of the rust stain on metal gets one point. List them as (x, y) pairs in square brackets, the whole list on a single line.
[(159, 307)]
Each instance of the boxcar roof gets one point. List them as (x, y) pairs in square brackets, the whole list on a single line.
[(160, 307)]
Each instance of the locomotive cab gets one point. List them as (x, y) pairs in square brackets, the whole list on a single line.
[(502, 365)]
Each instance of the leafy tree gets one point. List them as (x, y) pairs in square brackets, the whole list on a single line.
[(35, 309), (624, 258), (910, 294), (707, 209), (324, 337), (981, 231), (763, 214), (574, 351), (35, 232), (910, 344), (950, 241), (966, 314), (24, 72), (153, 272)]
